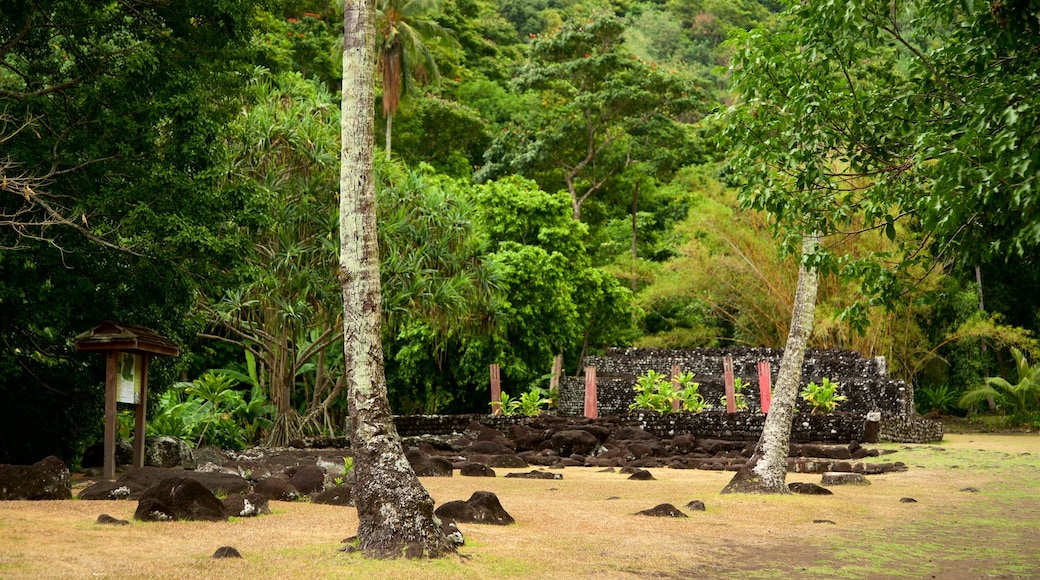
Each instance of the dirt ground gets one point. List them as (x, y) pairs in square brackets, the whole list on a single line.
[(976, 514)]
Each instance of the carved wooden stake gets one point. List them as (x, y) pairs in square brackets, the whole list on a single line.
[(496, 391), (765, 385), (675, 386), (591, 410), (731, 398)]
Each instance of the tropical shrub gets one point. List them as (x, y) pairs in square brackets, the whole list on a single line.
[(529, 404), (739, 386), (939, 398), (210, 411), (823, 398), (1020, 400), (657, 392)]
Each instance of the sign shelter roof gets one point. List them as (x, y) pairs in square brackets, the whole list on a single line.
[(127, 338)]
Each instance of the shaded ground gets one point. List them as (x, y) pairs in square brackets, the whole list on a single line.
[(582, 527)]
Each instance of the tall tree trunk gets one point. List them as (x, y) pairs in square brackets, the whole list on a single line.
[(766, 471), (635, 233), (395, 512)]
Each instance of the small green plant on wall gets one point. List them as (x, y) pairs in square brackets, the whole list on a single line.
[(689, 398), (656, 392), (822, 398), (739, 386), (529, 404)]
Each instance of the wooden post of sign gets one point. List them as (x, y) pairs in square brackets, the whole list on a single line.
[(727, 371), (591, 407), (675, 387), (140, 409), (496, 391), (557, 370), (111, 385), (765, 386)]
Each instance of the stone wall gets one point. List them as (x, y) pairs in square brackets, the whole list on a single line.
[(864, 381), (910, 429), (715, 424)]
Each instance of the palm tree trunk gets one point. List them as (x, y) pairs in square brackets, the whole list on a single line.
[(766, 471), (395, 512)]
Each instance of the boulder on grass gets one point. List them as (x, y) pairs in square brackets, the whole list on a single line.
[(180, 498), (277, 489), (476, 470), (335, 495), (134, 482), (843, 478), (246, 505), (808, 489), (427, 466), (664, 510), (308, 479), (482, 507), (48, 478)]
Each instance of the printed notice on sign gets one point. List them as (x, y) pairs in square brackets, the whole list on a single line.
[(129, 378)]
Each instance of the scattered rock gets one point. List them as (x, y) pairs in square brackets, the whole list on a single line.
[(482, 507), (276, 488), (836, 478), (180, 498), (167, 452), (246, 505), (336, 495), (823, 522), (308, 479), (629, 433), (642, 475), (427, 466), (808, 489), (46, 479), (535, 475), (507, 461), (664, 510), (907, 500), (573, 441), (476, 470), (226, 552), (970, 489), (607, 470), (696, 505), (132, 483), (105, 519), (453, 533)]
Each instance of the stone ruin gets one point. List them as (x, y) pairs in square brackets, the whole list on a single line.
[(865, 382)]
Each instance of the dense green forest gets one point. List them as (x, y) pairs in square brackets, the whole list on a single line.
[(555, 177)]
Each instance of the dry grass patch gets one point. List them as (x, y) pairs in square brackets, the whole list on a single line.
[(572, 528)]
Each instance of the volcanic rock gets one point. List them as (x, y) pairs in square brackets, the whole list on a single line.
[(308, 479), (48, 478), (808, 489), (276, 488), (180, 498), (483, 507), (246, 505), (664, 510)]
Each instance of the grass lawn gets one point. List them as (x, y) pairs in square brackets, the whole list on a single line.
[(582, 527)]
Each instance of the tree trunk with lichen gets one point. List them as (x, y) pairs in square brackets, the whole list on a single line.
[(766, 471), (395, 512)]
